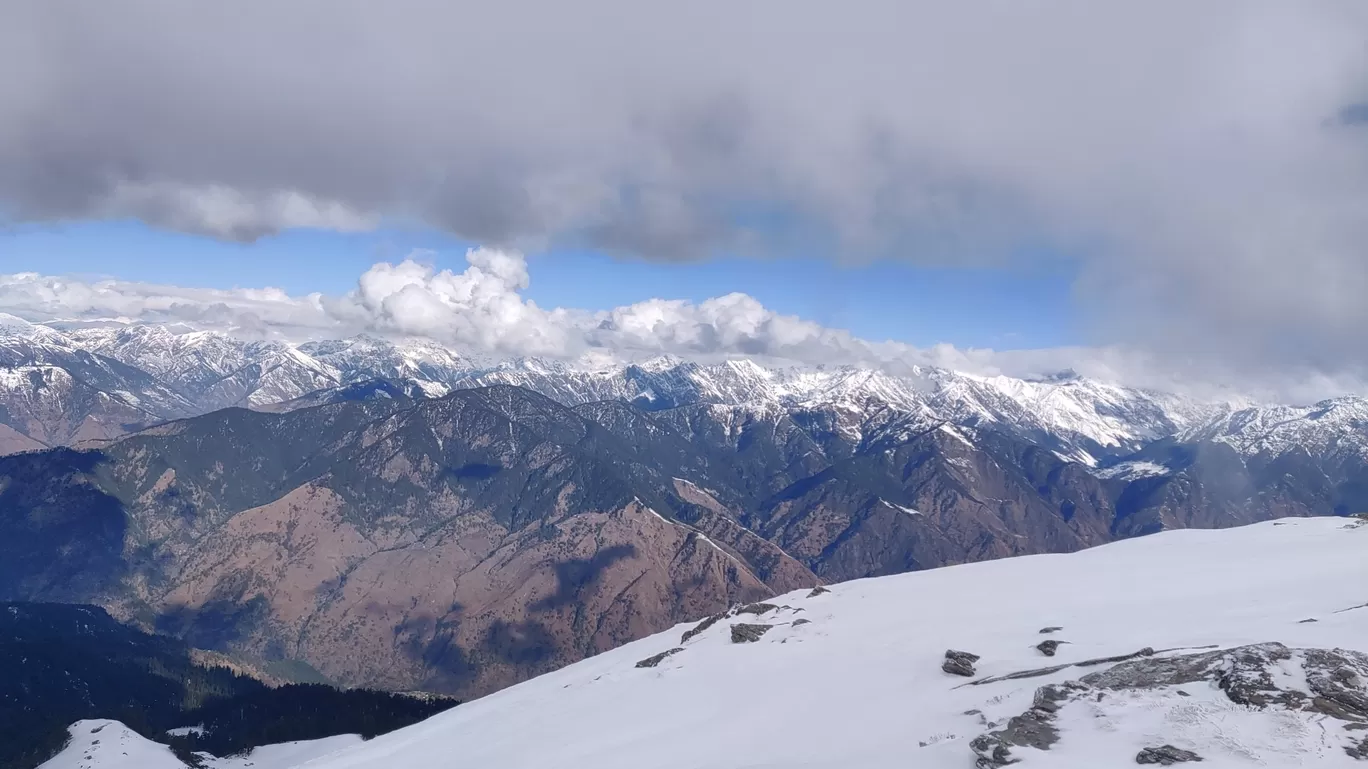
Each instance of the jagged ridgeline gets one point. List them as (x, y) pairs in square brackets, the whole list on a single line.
[(399, 517), (62, 663)]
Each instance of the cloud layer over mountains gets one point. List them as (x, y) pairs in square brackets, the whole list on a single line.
[(1206, 164), (482, 311), (479, 309)]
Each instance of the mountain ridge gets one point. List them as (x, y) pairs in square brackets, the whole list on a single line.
[(197, 372), (535, 512)]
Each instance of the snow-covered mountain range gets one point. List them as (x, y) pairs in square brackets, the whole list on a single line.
[(495, 520), (1176, 648), (63, 386)]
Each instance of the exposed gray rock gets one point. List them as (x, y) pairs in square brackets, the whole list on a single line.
[(1034, 728), (700, 627), (959, 663), (1358, 750), (1156, 672), (798, 622), (1166, 755), (1308, 621), (1051, 629), (743, 633), (1248, 677), (1336, 679), (816, 591), (1145, 652), (1336, 686), (1033, 673), (654, 660), (1050, 698), (1048, 648), (1339, 680), (1037, 672), (991, 753), (756, 608), (958, 668)]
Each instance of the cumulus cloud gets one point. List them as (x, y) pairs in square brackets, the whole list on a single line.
[(482, 310), (1205, 164)]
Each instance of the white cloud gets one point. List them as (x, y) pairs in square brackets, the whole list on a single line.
[(1206, 163), (482, 309)]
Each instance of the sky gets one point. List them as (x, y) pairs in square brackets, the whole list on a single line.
[(1167, 193), (885, 299)]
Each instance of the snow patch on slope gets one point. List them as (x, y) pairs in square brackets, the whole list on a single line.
[(286, 754), (908, 510), (1134, 470)]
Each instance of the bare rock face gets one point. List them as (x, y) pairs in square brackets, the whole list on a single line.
[(1034, 728), (959, 663), (747, 633), (702, 626), (1359, 750), (1254, 677), (1248, 675), (656, 659), (1166, 755)]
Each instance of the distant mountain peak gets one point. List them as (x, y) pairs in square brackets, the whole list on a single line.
[(1085, 419)]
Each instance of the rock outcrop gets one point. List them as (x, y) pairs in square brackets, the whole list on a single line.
[(748, 633), (959, 663), (1166, 755), (656, 659), (1255, 678)]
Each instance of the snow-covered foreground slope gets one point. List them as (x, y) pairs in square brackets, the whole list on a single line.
[(285, 755), (860, 683), (104, 744), (852, 678)]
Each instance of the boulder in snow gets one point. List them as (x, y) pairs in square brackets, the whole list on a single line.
[(1166, 755), (1048, 648), (959, 663), (742, 633)]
